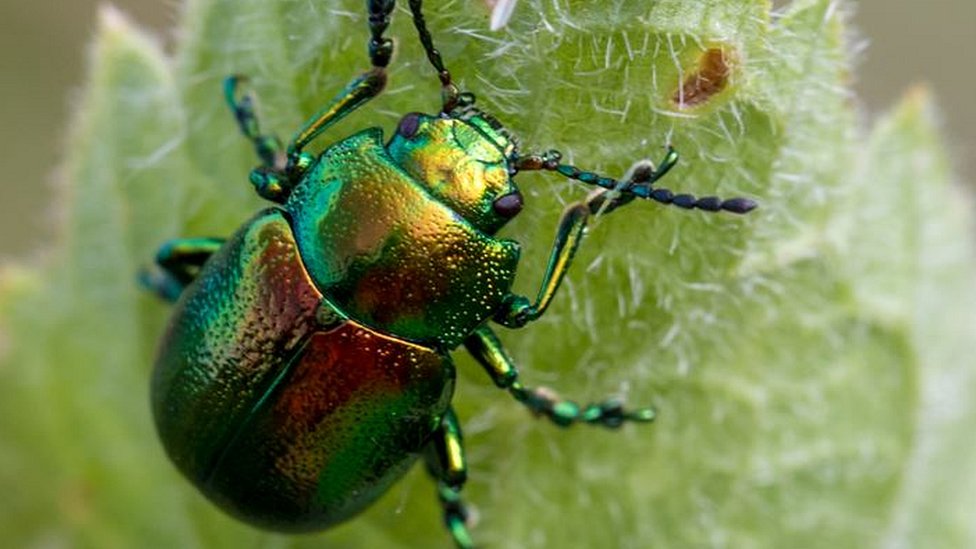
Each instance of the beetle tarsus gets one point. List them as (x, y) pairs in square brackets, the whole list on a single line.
[(609, 413), (488, 350), (242, 103), (380, 48)]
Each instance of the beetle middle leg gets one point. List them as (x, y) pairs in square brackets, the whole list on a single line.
[(242, 103), (486, 348), (359, 91), (179, 261), (444, 457)]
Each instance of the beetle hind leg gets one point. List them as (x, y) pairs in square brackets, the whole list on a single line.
[(444, 457), (179, 262), (489, 352)]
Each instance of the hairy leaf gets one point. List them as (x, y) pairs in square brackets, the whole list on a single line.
[(808, 361)]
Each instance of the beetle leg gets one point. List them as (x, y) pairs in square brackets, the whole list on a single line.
[(242, 103), (280, 171), (484, 345), (360, 90), (273, 179), (444, 457), (179, 261), (612, 194), (518, 310)]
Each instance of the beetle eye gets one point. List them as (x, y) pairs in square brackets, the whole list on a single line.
[(409, 125), (508, 205)]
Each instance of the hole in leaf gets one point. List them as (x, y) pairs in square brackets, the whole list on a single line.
[(711, 78)]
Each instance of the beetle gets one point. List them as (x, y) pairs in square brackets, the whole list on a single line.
[(306, 367)]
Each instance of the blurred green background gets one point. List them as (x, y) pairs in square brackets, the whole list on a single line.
[(43, 47)]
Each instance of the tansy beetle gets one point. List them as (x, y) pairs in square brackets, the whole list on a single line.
[(306, 365)]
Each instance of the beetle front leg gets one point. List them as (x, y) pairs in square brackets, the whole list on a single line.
[(179, 261), (280, 169), (360, 90), (444, 457), (518, 311), (486, 348)]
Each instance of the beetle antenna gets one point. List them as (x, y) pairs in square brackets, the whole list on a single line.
[(639, 182), (449, 91)]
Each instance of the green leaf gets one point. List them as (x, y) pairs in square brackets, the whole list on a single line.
[(808, 361)]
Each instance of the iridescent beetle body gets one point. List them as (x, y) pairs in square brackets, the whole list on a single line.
[(306, 367), (288, 333)]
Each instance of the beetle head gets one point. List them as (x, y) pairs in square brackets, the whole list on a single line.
[(463, 161)]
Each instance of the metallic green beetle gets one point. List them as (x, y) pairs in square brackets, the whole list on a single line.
[(306, 366)]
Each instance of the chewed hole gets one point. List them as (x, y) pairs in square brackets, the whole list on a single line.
[(711, 78)]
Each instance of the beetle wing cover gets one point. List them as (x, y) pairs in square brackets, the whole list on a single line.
[(346, 420), (232, 332)]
